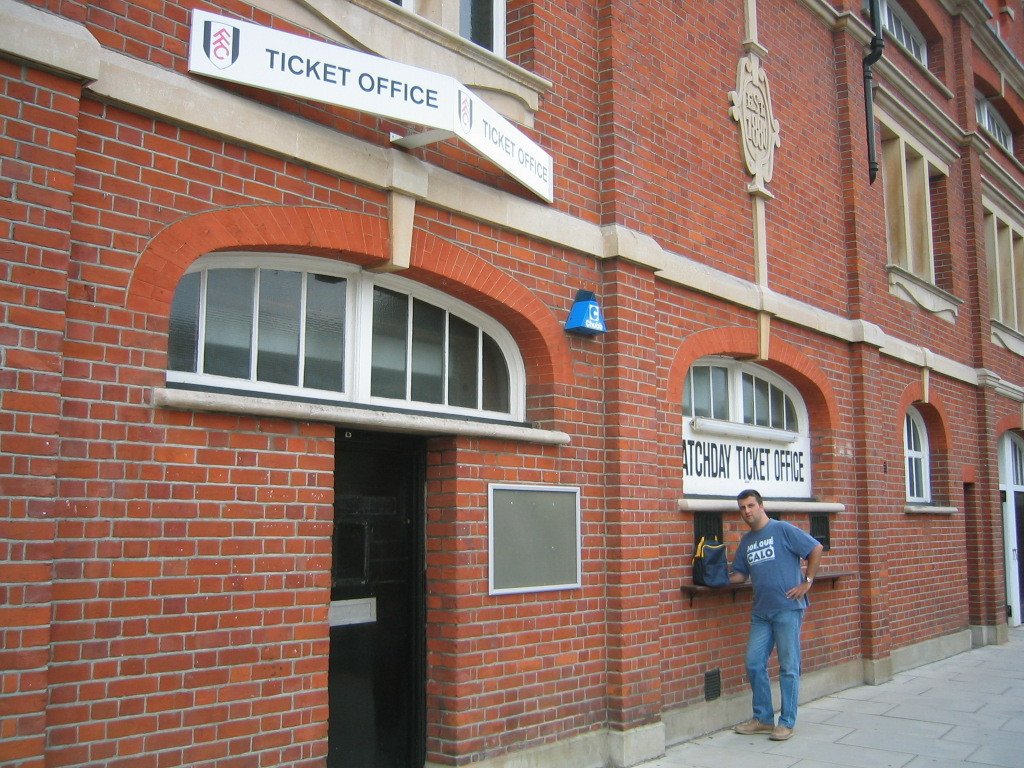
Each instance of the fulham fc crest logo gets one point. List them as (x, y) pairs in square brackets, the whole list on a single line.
[(465, 111), (220, 42)]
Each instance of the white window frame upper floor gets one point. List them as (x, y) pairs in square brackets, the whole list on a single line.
[(359, 357), (1004, 251), (482, 22), (917, 464), (426, 34), (993, 123), (899, 26), (913, 161)]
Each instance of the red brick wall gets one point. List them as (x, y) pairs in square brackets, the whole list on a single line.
[(38, 128), (165, 575)]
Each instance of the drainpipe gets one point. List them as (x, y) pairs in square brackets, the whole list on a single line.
[(873, 55)]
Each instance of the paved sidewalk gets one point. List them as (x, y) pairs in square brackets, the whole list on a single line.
[(967, 710)]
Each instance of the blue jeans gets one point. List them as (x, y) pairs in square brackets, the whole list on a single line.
[(779, 630)]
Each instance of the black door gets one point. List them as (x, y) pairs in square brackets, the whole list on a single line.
[(375, 680)]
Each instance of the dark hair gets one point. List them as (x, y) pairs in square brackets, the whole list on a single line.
[(747, 493)]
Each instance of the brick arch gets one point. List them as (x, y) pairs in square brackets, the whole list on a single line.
[(933, 412), (783, 358), (360, 238), (1011, 423)]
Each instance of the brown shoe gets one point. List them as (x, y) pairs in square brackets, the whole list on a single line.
[(781, 733), (754, 725)]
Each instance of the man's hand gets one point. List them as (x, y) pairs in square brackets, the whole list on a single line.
[(799, 591)]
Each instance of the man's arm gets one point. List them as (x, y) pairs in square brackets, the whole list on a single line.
[(735, 577), (801, 589)]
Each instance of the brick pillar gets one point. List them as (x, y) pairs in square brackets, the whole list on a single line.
[(38, 126), (983, 515), (634, 502)]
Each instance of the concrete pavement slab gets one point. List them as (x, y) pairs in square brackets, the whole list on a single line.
[(966, 711)]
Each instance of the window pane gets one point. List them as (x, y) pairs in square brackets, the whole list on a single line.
[(496, 378), (702, 392), (477, 22), (183, 338), (761, 407), (913, 437), (325, 333), (427, 353), (688, 395), (229, 294), (778, 416), (277, 331), (390, 342), (792, 423), (720, 392), (748, 399), (915, 478), (462, 363)]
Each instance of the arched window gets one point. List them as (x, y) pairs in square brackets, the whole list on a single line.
[(993, 123), (294, 326), (897, 23), (744, 425), (915, 444), (746, 394)]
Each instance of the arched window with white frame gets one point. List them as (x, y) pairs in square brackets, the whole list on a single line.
[(744, 425), (898, 24), (915, 446), (283, 325)]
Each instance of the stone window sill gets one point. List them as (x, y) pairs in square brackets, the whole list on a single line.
[(1007, 338), (927, 296), (928, 509)]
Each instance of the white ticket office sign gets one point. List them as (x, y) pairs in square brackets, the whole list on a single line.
[(717, 465), (240, 52)]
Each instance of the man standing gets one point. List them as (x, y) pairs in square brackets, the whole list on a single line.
[(770, 554)]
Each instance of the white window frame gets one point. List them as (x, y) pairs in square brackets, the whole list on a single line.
[(917, 463), (358, 335), (1004, 249), (1011, 482), (904, 32), (907, 172), (734, 425), (721, 454), (498, 24), (456, 16), (993, 123)]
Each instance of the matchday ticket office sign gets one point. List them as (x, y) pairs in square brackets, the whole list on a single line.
[(774, 463), (240, 52)]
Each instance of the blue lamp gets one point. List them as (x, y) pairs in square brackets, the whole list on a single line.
[(585, 317)]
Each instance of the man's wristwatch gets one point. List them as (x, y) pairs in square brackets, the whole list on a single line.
[(809, 579)]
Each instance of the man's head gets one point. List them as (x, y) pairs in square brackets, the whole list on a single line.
[(752, 509)]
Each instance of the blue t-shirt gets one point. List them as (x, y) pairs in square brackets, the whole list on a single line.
[(771, 558)]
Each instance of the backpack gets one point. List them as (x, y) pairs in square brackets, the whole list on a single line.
[(710, 564)]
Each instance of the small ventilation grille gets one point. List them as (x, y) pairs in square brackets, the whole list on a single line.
[(707, 525), (712, 684), (821, 530)]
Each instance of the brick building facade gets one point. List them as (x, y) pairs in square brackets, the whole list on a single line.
[(299, 465)]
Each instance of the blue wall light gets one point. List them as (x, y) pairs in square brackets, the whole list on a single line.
[(585, 316)]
